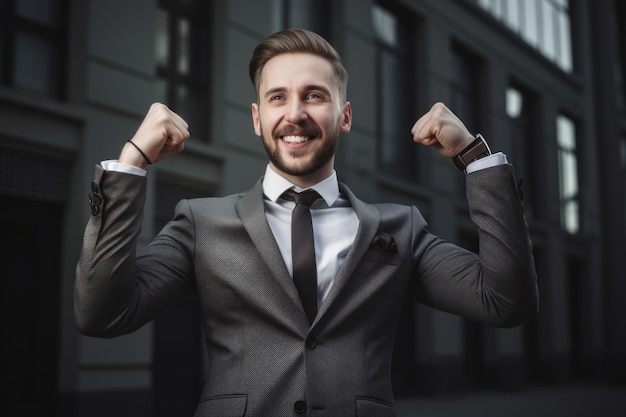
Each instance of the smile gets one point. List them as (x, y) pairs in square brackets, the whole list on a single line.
[(295, 139)]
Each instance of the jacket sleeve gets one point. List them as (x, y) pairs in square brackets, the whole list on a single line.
[(497, 286), (116, 291)]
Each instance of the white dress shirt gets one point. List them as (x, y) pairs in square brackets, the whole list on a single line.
[(334, 225)]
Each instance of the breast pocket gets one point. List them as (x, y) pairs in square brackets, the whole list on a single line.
[(379, 256)]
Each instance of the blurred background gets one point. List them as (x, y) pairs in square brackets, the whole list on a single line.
[(542, 80)]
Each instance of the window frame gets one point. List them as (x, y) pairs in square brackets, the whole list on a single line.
[(195, 80), (55, 34)]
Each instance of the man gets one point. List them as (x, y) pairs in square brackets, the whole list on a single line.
[(273, 352)]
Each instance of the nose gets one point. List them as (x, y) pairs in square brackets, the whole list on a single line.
[(296, 112)]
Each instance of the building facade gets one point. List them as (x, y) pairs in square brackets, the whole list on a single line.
[(543, 80)]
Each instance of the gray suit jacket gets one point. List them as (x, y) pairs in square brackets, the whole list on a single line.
[(265, 359)]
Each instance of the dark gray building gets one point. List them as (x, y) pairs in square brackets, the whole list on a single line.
[(543, 80)]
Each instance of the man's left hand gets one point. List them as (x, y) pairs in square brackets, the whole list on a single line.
[(443, 130)]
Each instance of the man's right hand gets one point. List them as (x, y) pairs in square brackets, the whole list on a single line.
[(161, 134)]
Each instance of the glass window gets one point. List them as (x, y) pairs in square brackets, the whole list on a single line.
[(548, 43), (32, 45), (162, 38), (512, 15), (385, 26), (397, 154), (465, 95), (568, 174), (544, 24), (183, 45), (514, 102), (36, 64), (466, 88), (530, 29), (520, 105), (181, 49), (564, 51)]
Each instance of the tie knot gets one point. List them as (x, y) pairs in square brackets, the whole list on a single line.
[(306, 197)]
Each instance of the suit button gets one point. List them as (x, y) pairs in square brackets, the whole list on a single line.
[(95, 198), (310, 342), (299, 407), (94, 202)]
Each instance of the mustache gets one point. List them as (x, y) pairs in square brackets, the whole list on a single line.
[(305, 129)]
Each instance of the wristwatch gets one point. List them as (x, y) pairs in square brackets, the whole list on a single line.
[(475, 150)]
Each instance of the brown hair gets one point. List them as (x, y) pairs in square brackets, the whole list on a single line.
[(297, 40)]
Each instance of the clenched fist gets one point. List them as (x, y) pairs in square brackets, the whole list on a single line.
[(441, 129), (161, 134)]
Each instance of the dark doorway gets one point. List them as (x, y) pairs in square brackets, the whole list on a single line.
[(29, 271)]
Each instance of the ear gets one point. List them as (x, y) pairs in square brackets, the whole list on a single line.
[(346, 123), (256, 119)]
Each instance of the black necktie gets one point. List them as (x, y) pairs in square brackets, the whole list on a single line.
[(303, 249)]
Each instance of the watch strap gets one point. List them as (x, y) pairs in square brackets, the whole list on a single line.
[(475, 150)]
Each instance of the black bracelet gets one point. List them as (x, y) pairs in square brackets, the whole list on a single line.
[(140, 151)]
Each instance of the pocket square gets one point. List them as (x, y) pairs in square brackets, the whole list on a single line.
[(384, 242)]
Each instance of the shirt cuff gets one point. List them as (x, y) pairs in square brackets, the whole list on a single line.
[(112, 165), (487, 162)]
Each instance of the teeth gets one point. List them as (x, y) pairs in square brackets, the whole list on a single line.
[(295, 139)]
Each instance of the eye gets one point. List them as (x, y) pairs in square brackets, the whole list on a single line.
[(313, 96), (276, 98)]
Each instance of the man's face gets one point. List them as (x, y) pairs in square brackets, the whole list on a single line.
[(300, 116)]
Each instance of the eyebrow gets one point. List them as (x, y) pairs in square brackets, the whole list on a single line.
[(273, 91)]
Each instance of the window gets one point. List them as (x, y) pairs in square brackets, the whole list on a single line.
[(181, 55), (544, 24), (32, 45), (568, 174), (466, 88), (519, 104), (397, 154), (465, 95)]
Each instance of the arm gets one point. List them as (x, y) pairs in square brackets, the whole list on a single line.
[(498, 286), (114, 293)]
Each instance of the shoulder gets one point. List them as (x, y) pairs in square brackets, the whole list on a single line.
[(384, 210)]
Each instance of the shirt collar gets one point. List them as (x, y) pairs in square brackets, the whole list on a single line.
[(274, 185)]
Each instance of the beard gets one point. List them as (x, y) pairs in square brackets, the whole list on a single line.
[(321, 157)]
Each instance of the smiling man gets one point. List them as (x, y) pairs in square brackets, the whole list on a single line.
[(300, 317), (300, 114)]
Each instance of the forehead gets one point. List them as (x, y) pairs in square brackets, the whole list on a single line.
[(292, 69)]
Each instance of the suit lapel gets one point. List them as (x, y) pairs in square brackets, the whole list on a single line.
[(250, 208), (369, 219)]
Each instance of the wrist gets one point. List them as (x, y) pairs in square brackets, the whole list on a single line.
[(133, 155), (474, 151)]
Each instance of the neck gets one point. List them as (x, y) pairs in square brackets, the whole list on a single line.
[(306, 181)]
